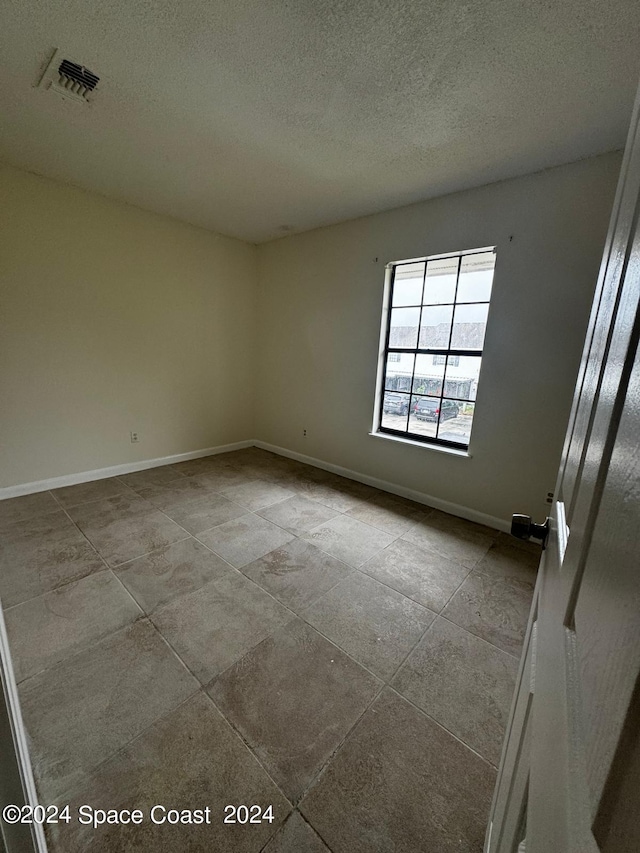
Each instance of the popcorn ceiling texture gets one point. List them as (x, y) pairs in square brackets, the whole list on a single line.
[(246, 116)]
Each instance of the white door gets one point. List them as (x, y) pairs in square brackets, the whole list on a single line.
[(569, 780)]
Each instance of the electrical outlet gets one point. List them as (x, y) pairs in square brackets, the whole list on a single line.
[(549, 497), (304, 432), (135, 437)]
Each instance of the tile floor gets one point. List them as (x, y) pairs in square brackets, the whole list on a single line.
[(244, 629)]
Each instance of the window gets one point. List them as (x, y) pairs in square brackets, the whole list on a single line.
[(454, 360), (437, 316)]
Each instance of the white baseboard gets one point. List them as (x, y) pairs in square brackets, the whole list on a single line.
[(131, 467), (115, 470), (385, 486)]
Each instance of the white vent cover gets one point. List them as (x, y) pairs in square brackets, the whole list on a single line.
[(69, 78)]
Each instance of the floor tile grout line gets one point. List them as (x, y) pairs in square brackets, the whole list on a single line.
[(128, 493), (412, 649), (347, 577), (114, 569), (249, 748), (353, 568), (399, 592), (371, 524), (443, 727), (428, 551), (82, 533), (478, 637), (385, 682), (174, 650), (118, 565), (294, 493), (321, 770), (303, 818), (127, 563), (295, 614), (129, 593), (56, 588), (507, 579), (94, 642), (64, 796), (456, 590)]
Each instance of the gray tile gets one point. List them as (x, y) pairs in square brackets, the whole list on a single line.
[(244, 455), (392, 514), (296, 837), (213, 471), (93, 491), (293, 699), (248, 456), (349, 540), (176, 493), (198, 516), (214, 626), (221, 478), (122, 528), (170, 572), (47, 629), (425, 576), (298, 515), (40, 555), (190, 759), (79, 712), (462, 682), (335, 492), (495, 609), (297, 574), (245, 539), (507, 560), (374, 624), (460, 541), (256, 494), (17, 510), (111, 509), (401, 783), (151, 477)]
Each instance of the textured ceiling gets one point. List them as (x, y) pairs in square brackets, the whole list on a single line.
[(244, 116)]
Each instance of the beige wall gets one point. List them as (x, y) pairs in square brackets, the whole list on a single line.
[(320, 305), (112, 320)]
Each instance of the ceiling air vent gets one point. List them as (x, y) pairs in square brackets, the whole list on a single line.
[(69, 79)]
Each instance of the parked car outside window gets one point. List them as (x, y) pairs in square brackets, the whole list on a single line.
[(429, 410), (396, 404)]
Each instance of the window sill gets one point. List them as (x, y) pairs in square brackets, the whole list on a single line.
[(437, 447)]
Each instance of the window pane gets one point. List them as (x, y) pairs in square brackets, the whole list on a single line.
[(428, 377), (424, 416), (455, 421), (399, 372), (469, 323), (440, 284), (461, 378), (476, 277), (395, 410), (435, 327), (404, 327), (407, 284)]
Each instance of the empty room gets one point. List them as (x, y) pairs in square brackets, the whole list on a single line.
[(319, 469)]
